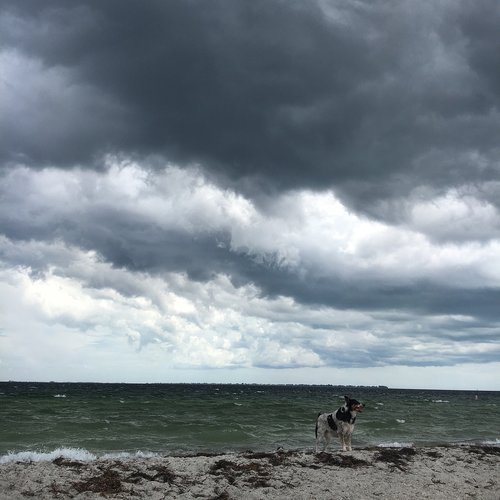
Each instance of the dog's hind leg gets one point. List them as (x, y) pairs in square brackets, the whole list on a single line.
[(318, 446), (328, 438), (322, 433), (343, 439), (348, 439), (317, 439), (320, 442)]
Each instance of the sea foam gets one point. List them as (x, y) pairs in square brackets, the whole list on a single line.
[(395, 444), (494, 442), (38, 456), (79, 454), (125, 454)]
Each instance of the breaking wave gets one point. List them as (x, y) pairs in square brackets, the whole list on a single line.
[(395, 444), (79, 454)]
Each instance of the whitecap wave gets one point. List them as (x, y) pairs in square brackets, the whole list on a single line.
[(79, 454), (400, 421), (396, 444), (126, 454), (38, 456), (59, 395), (492, 442), (439, 401)]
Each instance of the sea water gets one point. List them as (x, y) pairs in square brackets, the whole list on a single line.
[(40, 421)]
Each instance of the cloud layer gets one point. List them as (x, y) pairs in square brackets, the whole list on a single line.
[(243, 185)]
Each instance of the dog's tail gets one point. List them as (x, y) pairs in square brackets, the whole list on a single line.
[(316, 431)]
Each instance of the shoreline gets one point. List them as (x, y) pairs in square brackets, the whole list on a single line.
[(438, 472)]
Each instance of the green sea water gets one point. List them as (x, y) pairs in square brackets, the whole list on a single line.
[(40, 419)]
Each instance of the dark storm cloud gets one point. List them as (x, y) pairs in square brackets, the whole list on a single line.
[(370, 97), (421, 297), (374, 99)]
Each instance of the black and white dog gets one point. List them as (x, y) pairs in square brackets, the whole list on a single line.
[(340, 422)]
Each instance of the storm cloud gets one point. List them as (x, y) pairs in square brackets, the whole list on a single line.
[(314, 184), (381, 95)]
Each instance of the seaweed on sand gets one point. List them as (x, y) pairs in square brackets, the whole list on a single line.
[(107, 482), (482, 451), (275, 458), (163, 475), (398, 458), (61, 461), (257, 473), (341, 460)]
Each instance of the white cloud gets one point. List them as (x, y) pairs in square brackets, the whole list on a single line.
[(456, 216), (66, 307), (183, 324), (301, 230)]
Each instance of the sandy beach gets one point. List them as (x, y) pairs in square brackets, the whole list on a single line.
[(385, 473)]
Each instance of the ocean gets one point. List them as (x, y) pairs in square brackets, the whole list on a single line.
[(40, 421)]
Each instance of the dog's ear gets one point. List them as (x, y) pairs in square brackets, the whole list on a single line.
[(347, 399)]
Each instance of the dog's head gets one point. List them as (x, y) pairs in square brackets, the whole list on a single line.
[(353, 405)]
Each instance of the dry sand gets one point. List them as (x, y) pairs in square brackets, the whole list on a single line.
[(383, 473)]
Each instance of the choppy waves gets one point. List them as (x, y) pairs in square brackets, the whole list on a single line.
[(86, 421)]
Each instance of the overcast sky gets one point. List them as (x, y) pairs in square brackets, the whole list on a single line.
[(295, 191)]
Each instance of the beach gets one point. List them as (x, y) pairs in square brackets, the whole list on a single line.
[(387, 473)]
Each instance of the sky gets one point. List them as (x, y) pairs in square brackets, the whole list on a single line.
[(265, 191)]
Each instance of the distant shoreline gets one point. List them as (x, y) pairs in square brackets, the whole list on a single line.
[(250, 384), (204, 383)]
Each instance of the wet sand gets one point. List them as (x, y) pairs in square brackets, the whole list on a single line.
[(460, 472)]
